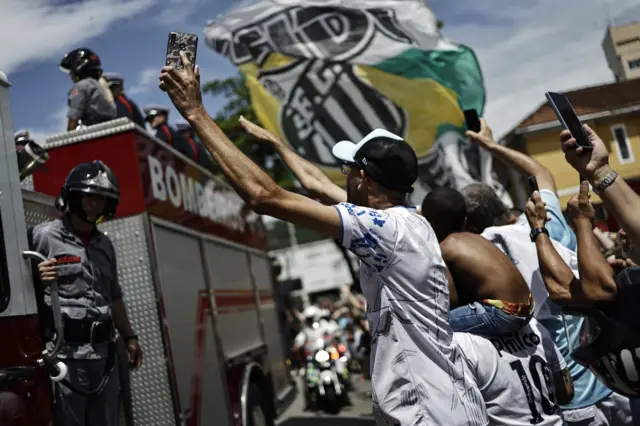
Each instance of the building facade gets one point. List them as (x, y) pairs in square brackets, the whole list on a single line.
[(621, 47)]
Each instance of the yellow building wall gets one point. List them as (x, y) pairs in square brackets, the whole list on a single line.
[(545, 147)]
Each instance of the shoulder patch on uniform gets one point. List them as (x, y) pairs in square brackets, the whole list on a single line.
[(65, 258), (73, 93)]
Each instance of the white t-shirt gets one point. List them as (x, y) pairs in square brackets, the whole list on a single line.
[(418, 374), (515, 242), (514, 375)]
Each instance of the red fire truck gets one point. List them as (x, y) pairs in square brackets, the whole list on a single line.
[(192, 264)]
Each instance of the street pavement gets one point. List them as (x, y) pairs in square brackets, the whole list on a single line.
[(357, 414)]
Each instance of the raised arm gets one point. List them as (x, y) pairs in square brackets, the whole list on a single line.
[(557, 276), (249, 180), (563, 286), (596, 275), (524, 163), (593, 164), (314, 180)]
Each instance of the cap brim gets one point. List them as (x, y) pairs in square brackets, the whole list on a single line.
[(344, 151)]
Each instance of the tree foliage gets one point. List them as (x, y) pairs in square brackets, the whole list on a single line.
[(238, 103)]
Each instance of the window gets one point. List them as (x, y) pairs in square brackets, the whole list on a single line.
[(623, 147), (634, 64)]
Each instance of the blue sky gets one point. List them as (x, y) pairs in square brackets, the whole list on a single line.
[(525, 49)]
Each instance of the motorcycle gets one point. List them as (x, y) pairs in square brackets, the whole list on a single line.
[(326, 376)]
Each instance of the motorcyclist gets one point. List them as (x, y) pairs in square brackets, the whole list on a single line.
[(310, 328), (321, 330)]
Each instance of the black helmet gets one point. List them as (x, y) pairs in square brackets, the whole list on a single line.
[(80, 62), (90, 178), (610, 342)]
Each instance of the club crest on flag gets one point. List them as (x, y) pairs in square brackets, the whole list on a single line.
[(319, 73)]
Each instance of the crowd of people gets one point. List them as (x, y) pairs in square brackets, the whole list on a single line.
[(475, 313), (478, 314)]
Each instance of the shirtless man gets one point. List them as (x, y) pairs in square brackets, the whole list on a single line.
[(490, 296)]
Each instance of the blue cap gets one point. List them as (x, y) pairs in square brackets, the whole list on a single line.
[(155, 109), (113, 78)]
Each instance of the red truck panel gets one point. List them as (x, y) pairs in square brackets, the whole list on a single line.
[(156, 179)]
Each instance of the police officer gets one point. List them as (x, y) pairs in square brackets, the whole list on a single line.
[(90, 100), (126, 107), (83, 261), (156, 116), (202, 156)]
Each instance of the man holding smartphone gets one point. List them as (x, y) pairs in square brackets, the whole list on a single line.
[(419, 375), (618, 197)]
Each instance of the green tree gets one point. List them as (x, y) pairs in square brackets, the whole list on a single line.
[(238, 103)]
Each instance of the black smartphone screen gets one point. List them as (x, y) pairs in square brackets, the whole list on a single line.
[(568, 118), (533, 184), (472, 119)]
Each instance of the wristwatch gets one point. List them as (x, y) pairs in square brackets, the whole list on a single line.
[(606, 182), (537, 231), (132, 337)]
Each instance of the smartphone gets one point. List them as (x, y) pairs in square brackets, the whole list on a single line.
[(472, 119), (185, 42), (533, 184), (568, 118)]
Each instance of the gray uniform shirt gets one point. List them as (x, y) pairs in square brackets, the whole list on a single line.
[(87, 277), (87, 102)]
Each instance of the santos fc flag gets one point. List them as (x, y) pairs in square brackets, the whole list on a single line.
[(324, 71)]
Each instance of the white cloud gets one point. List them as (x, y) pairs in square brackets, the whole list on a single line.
[(58, 119), (56, 123), (148, 78), (526, 50), (178, 12), (42, 30)]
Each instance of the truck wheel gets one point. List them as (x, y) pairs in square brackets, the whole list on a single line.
[(258, 413)]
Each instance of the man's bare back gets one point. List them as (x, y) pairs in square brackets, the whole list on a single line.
[(481, 271)]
